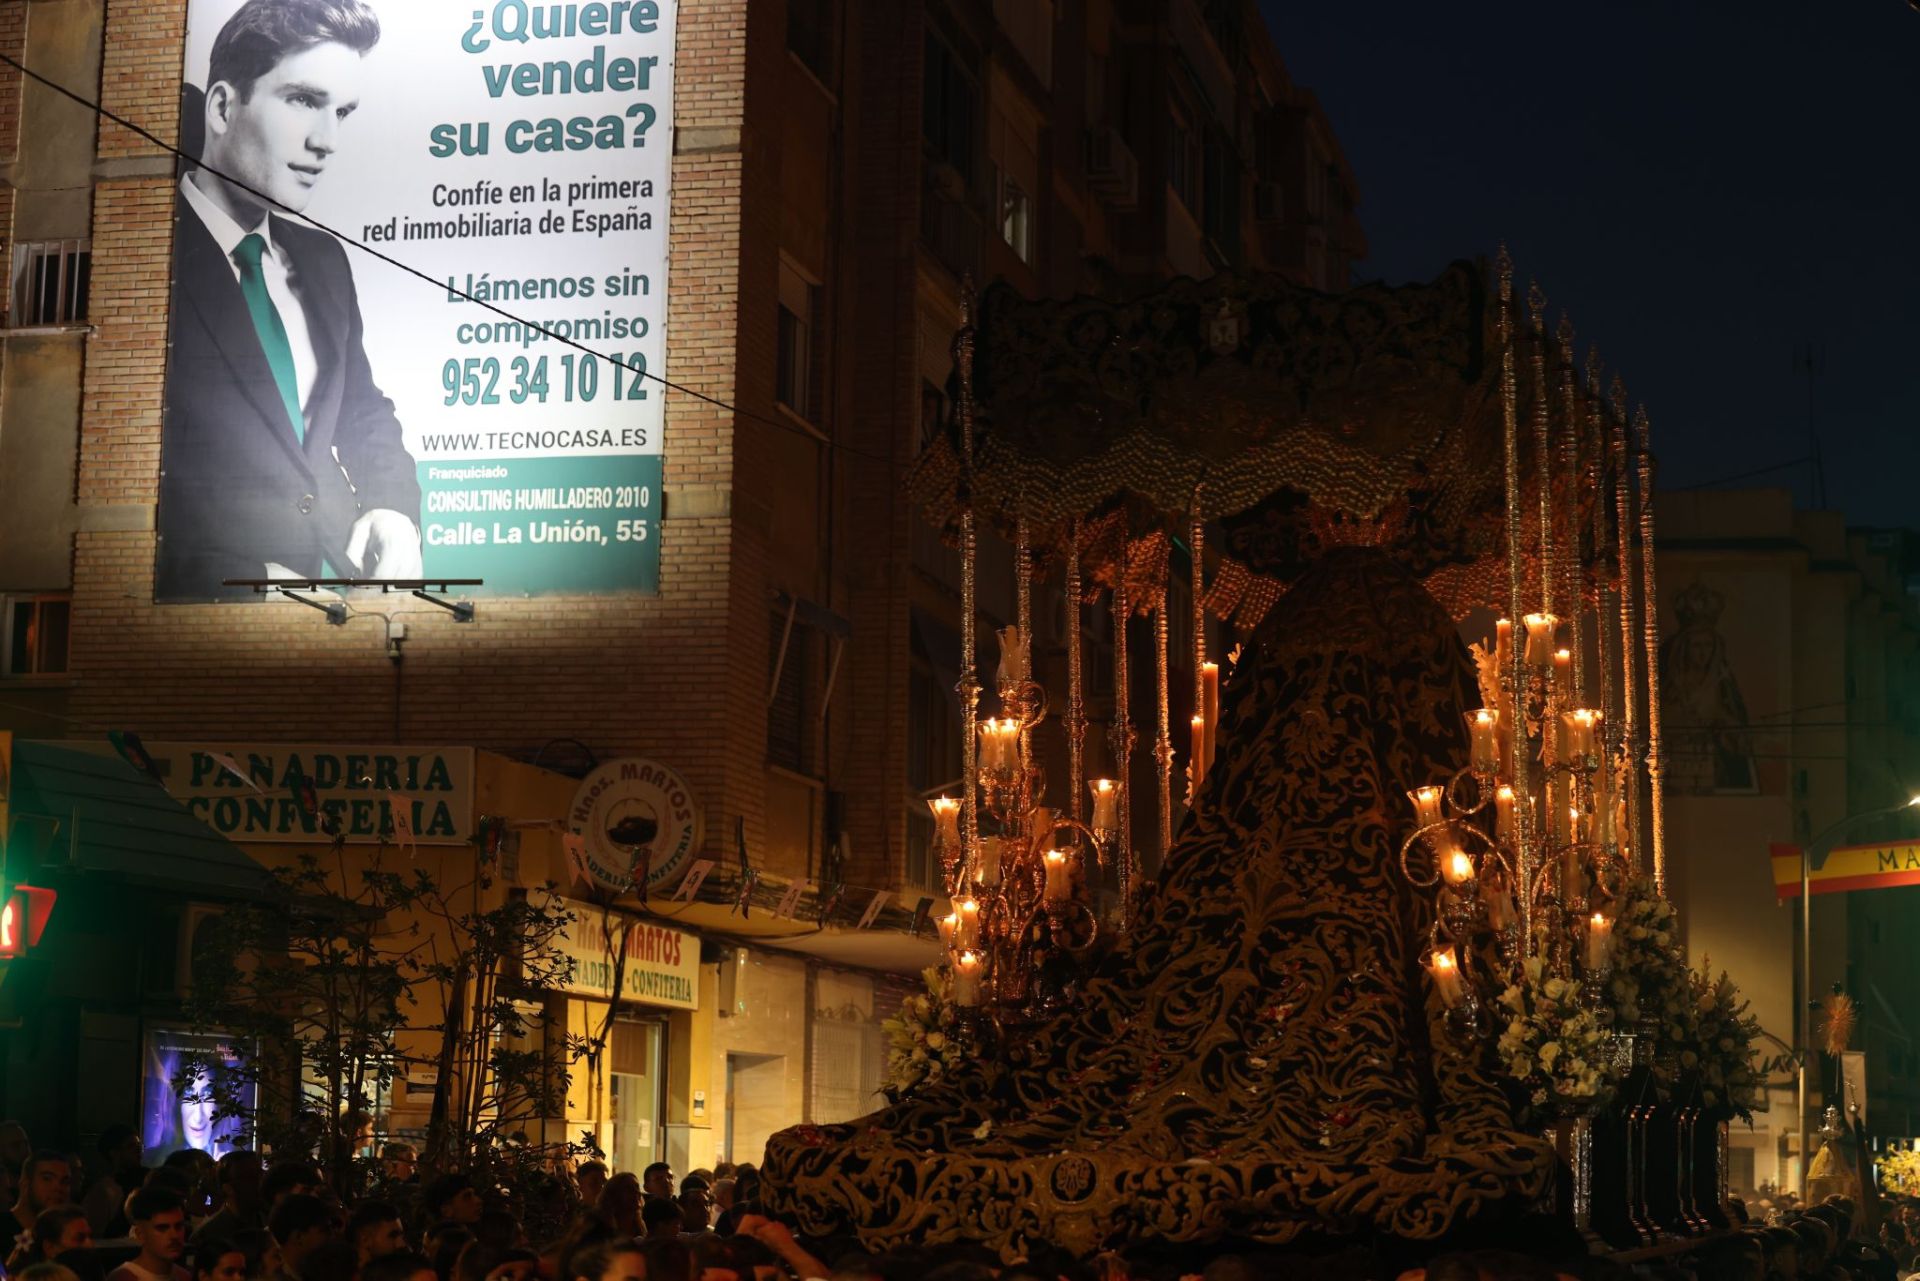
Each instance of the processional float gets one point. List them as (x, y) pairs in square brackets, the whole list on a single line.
[(1386, 876)]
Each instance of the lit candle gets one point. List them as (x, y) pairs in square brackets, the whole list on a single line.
[(1013, 656), (1563, 672), (1483, 726), (946, 821), (1210, 708), (1501, 912), (1503, 643), (1599, 942), (1199, 754), (949, 929), (1426, 804), (1503, 822), (968, 933), (1540, 630), (1446, 977), (999, 743), (1457, 868), (1106, 804), (987, 871), (966, 980), (1041, 820), (1059, 883), (1579, 725)]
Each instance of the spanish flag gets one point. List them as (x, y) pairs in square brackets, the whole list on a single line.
[(1848, 867)]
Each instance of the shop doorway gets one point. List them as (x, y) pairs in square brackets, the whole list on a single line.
[(756, 1103), (638, 1086)]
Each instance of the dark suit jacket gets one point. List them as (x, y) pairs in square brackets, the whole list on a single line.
[(237, 489)]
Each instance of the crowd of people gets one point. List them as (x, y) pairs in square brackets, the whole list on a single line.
[(241, 1218)]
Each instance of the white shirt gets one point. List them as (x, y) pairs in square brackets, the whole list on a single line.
[(274, 269)]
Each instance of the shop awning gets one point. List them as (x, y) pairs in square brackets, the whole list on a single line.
[(86, 812)]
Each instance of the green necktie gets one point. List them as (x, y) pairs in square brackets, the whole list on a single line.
[(267, 324)]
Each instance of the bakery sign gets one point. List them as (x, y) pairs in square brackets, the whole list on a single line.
[(251, 791), (654, 965), (636, 821)]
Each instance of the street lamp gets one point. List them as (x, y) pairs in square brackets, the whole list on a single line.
[(1813, 852)]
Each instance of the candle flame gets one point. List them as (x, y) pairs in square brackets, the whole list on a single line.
[(1056, 856), (1461, 866), (1443, 960)]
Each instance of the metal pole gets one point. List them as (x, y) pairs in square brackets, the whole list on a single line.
[(1804, 1021)]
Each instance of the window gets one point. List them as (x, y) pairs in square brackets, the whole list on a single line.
[(794, 383), (947, 110), (810, 35), (933, 412), (787, 725), (1220, 212), (50, 280), (1016, 217), (37, 635)]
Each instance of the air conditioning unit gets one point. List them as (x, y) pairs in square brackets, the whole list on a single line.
[(1269, 202), (1112, 172)]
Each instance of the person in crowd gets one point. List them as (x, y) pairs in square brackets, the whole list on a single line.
[(620, 1203), (452, 1197), (615, 1260), (657, 1180), (778, 1239), (55, 1232), (588, 1227), (159, 1220), (444, 1242), (667, 1259), (499, 1231), (400, 1163), (723, 1189), (300, 1224), (660, 1219), (49, 1272), (696, 1206), (375, 1229), (591, 1178), (405, 1266), (262, 1251), (219, 1259), (723, 1169), (202, 1192), (105, 1203), (480, 1262), (289, 1178), (45, 1181), (240, 1176), (334, 1259)]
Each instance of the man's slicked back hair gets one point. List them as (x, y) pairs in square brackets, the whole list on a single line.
[(263, 32)]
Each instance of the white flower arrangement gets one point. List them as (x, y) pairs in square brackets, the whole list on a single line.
[(1651, 984), (920, 1038), (1724, 1033), (1555, 1047)]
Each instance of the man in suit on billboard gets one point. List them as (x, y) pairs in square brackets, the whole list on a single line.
[(280, 456)]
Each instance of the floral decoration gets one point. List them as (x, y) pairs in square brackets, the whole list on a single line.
[(920, 1038), (1554, 1045), (1725, 1033), (1900, 1171), (1651, 985)]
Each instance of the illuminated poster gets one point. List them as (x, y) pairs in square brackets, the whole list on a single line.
[(329, 414), (179, 1111)]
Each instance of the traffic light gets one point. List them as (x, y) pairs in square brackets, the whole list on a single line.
[(23, 919)]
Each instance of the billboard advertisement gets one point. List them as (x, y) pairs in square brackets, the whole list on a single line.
[(178, 1103), (473, 408)]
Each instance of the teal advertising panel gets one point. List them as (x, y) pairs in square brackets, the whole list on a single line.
[(419, 281)]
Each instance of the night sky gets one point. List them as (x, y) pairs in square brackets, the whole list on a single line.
[(1706, 188)]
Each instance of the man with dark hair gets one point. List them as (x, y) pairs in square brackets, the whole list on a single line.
[(241, 1176), (660, 1218), (696, 1206), (281, 456), (405, 1266), (46, 1181), (300, 1225), (106, 1200), (451, 1198), (289, 1178), (159, 1221), (374, 1228), (657, 1180)]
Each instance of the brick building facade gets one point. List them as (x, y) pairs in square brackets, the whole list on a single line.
[(838, 167)]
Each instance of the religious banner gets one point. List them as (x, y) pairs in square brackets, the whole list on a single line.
[(1850, 867)]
